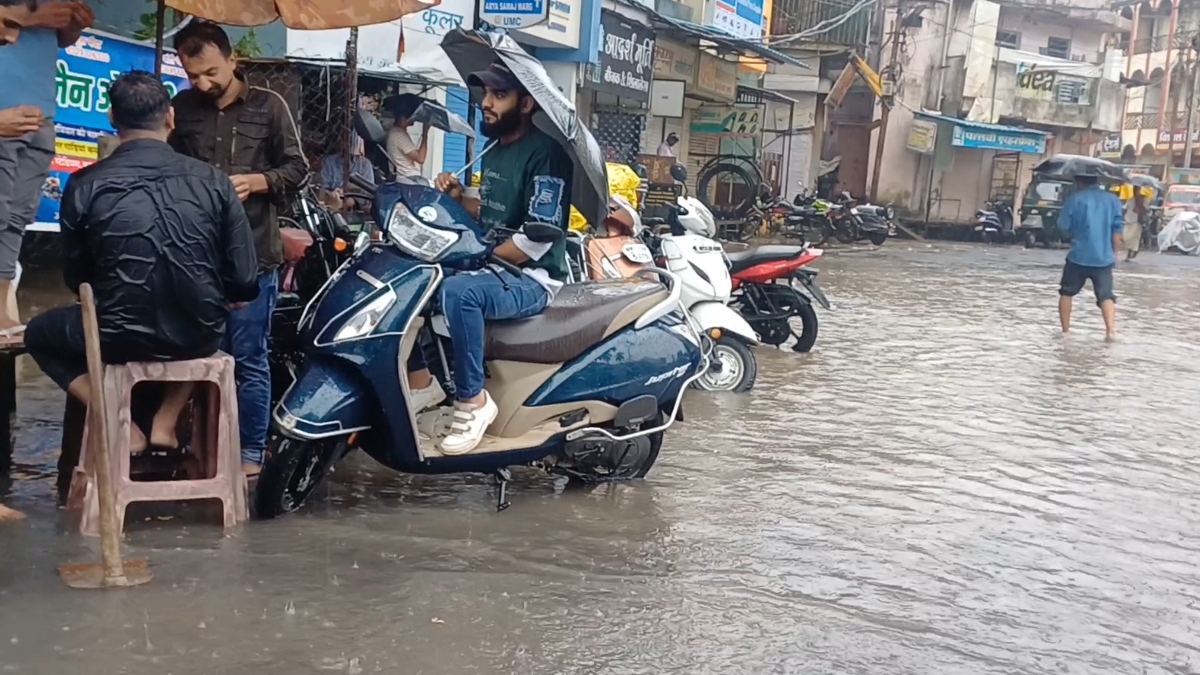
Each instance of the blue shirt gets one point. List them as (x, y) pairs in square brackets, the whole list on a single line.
[(1092, 216), (30, 70)]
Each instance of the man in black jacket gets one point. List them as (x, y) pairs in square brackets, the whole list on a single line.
[(249, 133), (166, 245)]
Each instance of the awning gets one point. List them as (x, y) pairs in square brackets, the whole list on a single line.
[(723, 41), (981, 136), (757, 96)]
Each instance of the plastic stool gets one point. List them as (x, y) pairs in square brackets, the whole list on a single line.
[(215, 442)]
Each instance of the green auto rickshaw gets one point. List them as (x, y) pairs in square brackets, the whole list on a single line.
[(1053, 182)]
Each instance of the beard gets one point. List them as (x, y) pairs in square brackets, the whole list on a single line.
[(506, 123)]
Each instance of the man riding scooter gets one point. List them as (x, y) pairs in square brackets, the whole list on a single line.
[(526, 177)]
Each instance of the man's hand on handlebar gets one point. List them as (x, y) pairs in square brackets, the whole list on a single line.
[(450, 184)]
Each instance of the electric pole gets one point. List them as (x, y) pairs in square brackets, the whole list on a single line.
[(1191, 106), (887, 75)]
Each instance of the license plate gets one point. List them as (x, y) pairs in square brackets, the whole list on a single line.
[(811, 285)]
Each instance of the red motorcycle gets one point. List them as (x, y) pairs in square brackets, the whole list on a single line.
[(771, 285)]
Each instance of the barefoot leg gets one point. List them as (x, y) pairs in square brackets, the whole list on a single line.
[(8, 515), (162, 430), (81, 389)]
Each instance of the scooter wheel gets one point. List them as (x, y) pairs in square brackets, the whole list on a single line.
[(734, 369), (292, 473)]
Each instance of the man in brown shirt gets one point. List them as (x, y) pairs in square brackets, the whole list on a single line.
[(249, 133)]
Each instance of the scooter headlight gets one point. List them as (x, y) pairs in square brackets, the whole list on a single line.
[(422, 241), (367, 318)]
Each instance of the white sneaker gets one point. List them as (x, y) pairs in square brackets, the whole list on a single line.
[(424, 399), (469, 425)]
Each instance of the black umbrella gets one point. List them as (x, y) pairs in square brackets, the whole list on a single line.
[(429, 113), (474, 51), (1071, 166)]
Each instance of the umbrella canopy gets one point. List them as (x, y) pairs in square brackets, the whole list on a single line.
[(428, 113), (301, 14), (1070, 166), (474, 51)]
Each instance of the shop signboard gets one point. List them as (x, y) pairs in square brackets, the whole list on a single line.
[(716, 78), (85, 70), (674, 61), (740, 121), (626, 65), (740, 18), (514, 14), (1110, 147), (561, 27), (1005, 140), (922, 136)]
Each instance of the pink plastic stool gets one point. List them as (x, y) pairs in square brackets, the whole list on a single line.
[(215, 448)]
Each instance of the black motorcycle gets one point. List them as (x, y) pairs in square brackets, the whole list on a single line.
[(865, 221), (316, 241), (994, 223)]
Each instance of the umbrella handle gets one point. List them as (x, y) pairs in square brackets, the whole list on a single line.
[(478, 157)]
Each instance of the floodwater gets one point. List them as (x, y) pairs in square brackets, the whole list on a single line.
[(946, 485)]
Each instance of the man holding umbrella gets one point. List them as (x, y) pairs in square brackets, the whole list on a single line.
[(1094, 218), (526, 177)]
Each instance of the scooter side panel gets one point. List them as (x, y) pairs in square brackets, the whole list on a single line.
[(325, 401), (654, 360), (379, 263)]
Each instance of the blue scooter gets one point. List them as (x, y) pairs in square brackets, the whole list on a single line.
[(586, 389)]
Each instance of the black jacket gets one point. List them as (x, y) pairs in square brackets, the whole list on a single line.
[(254, 134), (166, 246)]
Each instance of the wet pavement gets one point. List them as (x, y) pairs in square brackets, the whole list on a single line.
[(945, 485)]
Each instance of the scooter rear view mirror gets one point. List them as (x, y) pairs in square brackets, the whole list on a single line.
[(679, 173)]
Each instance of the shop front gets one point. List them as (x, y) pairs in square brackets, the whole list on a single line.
[(973, 162), (618, 86)]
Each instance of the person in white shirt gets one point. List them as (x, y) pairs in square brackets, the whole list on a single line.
[(406, 156), (667, 147)]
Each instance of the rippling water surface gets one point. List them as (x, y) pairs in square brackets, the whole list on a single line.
[(946, 485)]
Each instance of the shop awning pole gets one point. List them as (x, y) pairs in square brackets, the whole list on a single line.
[(160, 28)]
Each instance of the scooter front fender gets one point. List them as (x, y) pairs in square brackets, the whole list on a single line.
[(709, 315), (327, 399)]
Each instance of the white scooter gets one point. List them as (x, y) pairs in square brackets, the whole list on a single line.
[(691, 252)]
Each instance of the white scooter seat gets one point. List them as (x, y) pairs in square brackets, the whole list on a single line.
[(579, 317)]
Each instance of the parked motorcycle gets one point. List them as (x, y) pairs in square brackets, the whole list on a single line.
[(865, 221), (316, 241), (587, 388), (994, 223), (689, 250), (769, 290)]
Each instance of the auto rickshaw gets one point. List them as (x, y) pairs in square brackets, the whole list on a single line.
[(1053, 182)]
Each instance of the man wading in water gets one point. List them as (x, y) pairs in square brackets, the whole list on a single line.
[(1095, 220)]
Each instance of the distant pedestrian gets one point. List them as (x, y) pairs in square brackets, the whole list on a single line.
[(1094, 218), (667, 147), (1135, 218)]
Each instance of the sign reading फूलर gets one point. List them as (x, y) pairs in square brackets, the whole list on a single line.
[(85, 70)]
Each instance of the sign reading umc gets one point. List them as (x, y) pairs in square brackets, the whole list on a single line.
[(514, 14)]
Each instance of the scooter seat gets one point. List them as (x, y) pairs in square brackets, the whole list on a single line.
[(744, 260), (579, 317)]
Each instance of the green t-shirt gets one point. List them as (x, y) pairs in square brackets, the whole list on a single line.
[(528, 181)]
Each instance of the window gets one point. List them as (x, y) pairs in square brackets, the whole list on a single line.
[(1008, 38), (1058, 47)]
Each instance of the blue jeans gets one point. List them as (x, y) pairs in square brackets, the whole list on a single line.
[(469, 299), (246, 340)]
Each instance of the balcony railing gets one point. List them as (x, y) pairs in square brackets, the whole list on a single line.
[(1158, 43), (1149, 120), (794, 16)]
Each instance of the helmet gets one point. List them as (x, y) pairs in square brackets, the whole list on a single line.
[(617, 203), (695, 217)]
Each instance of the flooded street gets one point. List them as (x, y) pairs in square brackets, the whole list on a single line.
[(945, 485)]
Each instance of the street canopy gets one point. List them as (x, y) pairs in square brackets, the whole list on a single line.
[(301, 14)]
